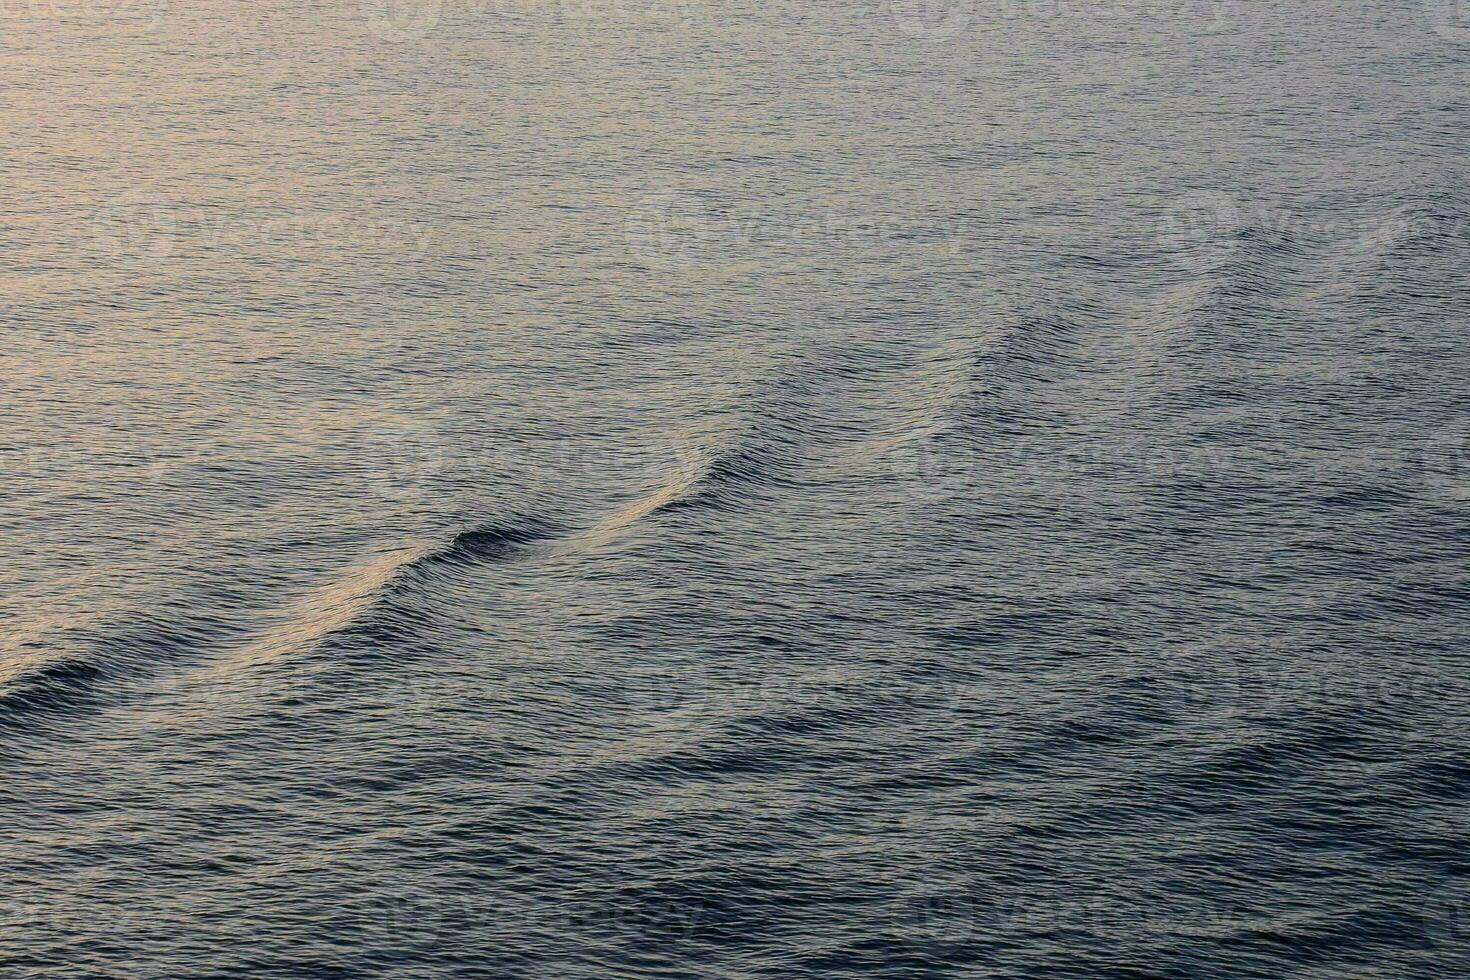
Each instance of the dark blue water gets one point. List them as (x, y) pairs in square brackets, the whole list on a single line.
[(635, 490)]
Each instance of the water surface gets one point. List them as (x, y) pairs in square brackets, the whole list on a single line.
[(744, 490)]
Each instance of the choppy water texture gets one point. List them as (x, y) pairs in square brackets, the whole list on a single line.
[(734, 490)]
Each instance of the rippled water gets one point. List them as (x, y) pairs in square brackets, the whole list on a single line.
[(662, 489)]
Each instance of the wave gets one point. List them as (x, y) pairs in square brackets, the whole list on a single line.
[(48, 688), (363, 602), (43, 688), (830, 404), (488, 543)]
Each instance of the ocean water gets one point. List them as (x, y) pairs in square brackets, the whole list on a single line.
[(635, 489)]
